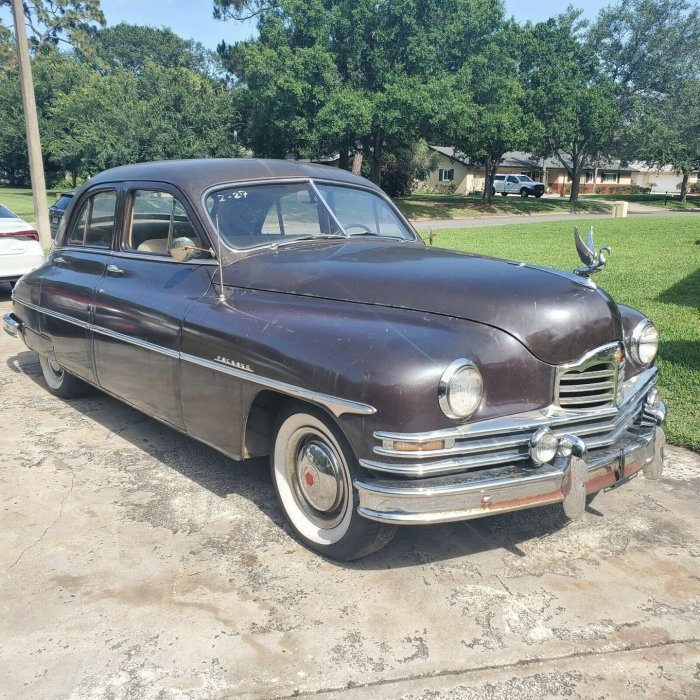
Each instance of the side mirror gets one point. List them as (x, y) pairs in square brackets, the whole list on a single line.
[(182, 249)]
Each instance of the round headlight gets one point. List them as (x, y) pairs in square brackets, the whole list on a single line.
[(460, 389), (644, 343)]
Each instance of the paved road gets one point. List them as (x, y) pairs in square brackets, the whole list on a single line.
[(139, 564), (636, 210)]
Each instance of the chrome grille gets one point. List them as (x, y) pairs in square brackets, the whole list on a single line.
[(593, 381)]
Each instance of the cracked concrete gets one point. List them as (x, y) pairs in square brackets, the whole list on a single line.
[(139, 564)]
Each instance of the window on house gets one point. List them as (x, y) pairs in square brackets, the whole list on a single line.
[(446, 175), (589, 176), (611, 177)]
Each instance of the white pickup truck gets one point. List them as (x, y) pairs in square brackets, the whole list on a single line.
[(523, 185)]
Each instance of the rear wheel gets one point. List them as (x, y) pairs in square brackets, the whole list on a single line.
[(61, 383), (493, 191), (504, 194), (313, 469)]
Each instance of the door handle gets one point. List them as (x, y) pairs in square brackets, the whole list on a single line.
[(114, 270)]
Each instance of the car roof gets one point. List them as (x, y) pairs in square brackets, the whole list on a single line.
[(199, 175)]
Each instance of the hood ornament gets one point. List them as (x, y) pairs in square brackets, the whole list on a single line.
[(593, 259)]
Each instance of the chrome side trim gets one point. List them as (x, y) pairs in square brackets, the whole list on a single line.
[(54, 314), (337, 405), (135, 341)]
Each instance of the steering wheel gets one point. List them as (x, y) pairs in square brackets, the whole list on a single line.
[(365, 229)]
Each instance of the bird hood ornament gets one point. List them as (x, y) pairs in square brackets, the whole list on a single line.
[(593, 259)]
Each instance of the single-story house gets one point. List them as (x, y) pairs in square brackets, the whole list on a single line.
[(456, 173), (661, 180)]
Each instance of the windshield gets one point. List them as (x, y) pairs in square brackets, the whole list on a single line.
[(5, 213), (255, 215)]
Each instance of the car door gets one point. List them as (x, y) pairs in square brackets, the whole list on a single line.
[(511, 184), (68, 286), (142, 299)]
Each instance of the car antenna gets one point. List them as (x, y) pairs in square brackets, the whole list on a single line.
[(222, 296)]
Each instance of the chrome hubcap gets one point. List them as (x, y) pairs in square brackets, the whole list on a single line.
[(319, 476)]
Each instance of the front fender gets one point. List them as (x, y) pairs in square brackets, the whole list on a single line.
[(391, 359)]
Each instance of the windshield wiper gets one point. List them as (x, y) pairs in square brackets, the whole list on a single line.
[(297, 239)]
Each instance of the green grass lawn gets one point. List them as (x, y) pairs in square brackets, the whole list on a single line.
[(653, 200), (654, 267), (20, 201), (428, 206)]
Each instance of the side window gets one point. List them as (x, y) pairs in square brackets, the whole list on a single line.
[(512, 178), (95, 223), (157, 218)]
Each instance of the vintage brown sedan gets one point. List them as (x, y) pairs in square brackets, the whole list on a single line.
[(274, 308)]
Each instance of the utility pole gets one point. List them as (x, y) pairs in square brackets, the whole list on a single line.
[(31, 122)]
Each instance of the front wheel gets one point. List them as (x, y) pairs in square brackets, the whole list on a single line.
[(59, 382), (524, 192), (313, 469)]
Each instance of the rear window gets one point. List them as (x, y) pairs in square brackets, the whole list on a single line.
[(62, 202), (5, 213)]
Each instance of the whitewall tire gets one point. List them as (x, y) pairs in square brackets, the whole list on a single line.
[(312, 470)]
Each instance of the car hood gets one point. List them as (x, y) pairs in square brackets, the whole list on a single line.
[(556, 315)]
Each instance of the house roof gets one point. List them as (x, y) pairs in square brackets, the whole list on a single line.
[(519, 159)]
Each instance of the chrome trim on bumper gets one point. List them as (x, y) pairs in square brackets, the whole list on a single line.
[(11, 325), (509, 488)]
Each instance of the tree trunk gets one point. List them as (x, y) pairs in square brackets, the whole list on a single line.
[(684, 185), (344, 163), (377, 146), (357, 162), (489, 174), (74, 178)]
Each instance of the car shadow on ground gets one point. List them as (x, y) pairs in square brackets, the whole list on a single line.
[(250, 479)]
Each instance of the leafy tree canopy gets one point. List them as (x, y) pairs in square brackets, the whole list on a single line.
[(130, 46), (50, 22)]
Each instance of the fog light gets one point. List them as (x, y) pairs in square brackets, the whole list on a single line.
[(543, 446)]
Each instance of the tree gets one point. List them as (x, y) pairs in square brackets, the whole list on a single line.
[(338, 74), (50, 22), (130, 46), (173, 113), (572, 97), (648, 47), (482, 110), (8, 55), (667, 132)]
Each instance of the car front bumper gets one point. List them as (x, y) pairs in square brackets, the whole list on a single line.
[(481, 492)]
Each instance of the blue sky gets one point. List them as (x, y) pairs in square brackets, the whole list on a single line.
[(193, 18)]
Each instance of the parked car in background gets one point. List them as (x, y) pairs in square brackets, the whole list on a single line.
[(57, 210), (20, 250), (271, 308), (523, 185)]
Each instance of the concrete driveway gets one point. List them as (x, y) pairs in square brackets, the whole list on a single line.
[(137, 563)]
